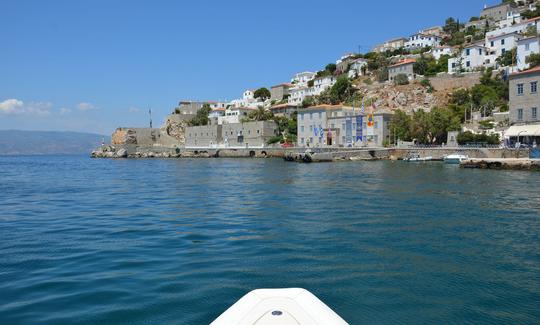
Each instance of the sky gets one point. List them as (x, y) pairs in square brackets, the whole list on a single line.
[(92, 66)]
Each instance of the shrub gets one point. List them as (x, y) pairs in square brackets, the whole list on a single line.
[(401, 79)]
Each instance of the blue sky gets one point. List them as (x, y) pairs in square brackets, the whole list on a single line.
[(94, 65)]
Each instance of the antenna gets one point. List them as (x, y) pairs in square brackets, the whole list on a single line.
[(150, 113)]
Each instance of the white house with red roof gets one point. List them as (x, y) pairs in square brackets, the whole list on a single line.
[(403, 67)]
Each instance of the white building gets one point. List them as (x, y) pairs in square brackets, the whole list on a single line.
[(421, 40), (302, 78), (357, 68), (471, 57), (299, 93), (233, 115), (248, 100), (508, 28), (503, 43), (321, 84), (526, 46), (439, 51)]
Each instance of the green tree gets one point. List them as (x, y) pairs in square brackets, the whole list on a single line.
[(508, 58), (331, 68), (400, 125), (201, 118), (262, 93), (533, 60), (341, 90), (309, 101), (260, 114)]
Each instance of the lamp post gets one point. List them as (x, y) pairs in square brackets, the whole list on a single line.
[(518, 143)]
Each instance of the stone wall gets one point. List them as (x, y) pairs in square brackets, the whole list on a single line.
[(446, 81)]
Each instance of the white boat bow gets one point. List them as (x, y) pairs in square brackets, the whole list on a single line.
[(292, 306)]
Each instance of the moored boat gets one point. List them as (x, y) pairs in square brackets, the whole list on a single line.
[(455, 158), (292, 306)]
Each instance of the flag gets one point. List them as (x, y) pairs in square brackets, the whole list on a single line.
[(362, 109)]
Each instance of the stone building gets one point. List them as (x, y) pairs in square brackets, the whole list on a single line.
[(284, 110), (203, 136), (497, 12), (280, 92), (524, 105), (404, 67), (249, 134), (328, 126)]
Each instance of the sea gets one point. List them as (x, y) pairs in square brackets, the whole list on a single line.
[(178, 241)]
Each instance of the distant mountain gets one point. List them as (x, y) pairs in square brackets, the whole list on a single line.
[(16, 142)]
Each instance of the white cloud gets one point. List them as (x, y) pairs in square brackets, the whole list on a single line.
[(133, 109), (11, 106), (15, 106), (86, 106), (64, 111)]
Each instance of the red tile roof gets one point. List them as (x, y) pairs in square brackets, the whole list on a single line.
[(406, 61), (533, 70)]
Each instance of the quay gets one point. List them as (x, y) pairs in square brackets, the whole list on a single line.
[(297, 154)]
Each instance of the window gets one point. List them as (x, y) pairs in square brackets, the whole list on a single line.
[(310, 139), (376, 125), (468, 64), (468, 52), (302, 128), (534, 113), (320, 115), (311, 128), (527, 47), (534, 87), (520, 114), (520, 89), (502, 41), (479, 51), (492, 43), (311, 116), (302, 141), (333, 126), (302, 116)]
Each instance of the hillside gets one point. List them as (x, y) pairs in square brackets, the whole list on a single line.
[(16, 142)]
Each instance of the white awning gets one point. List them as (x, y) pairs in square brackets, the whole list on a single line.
[(528, 130)]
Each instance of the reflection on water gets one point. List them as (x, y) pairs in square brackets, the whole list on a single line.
[(178, 241)]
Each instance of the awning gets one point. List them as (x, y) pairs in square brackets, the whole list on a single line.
[(528, 130)]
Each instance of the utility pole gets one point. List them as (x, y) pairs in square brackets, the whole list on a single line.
[(150, 113)]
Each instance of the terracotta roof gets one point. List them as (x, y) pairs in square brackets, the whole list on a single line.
[(218, 109), (406, 61), (533, 70), (285, 84), (506, 34), (282, 105), (533, 19)]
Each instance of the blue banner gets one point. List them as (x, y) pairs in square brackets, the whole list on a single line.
[(359, 128)]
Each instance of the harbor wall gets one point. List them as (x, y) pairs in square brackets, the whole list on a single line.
[(327, 154)]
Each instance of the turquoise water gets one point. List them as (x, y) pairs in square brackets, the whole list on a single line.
[(178, 241)]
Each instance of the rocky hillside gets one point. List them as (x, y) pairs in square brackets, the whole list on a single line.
[(414, 96)]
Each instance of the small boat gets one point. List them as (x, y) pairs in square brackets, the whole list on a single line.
[(455, 158), (291, 306), (417, 158)]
